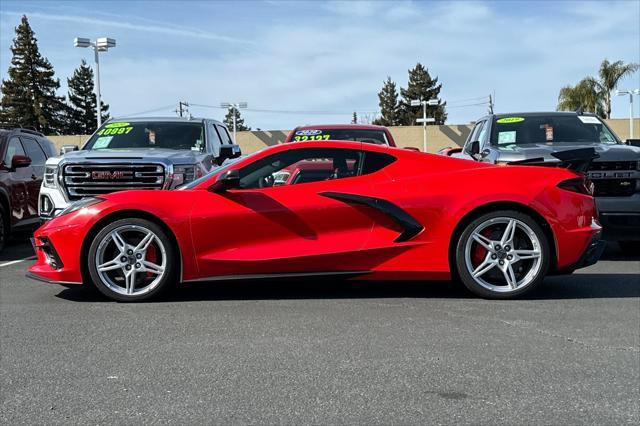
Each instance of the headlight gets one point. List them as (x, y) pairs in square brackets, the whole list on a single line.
[(50, 176), (77, 205), (182, 175)]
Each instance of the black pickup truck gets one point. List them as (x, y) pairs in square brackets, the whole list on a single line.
[(509, 138), (135, 153)]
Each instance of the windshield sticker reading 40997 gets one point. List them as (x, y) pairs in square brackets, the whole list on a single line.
[(118, 128)]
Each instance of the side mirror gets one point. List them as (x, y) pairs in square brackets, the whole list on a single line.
[(227, 180), (475, 148), (633, 142), (68, 148), (20, 161), (229, 151)]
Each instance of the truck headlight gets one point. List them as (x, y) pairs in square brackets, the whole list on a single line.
[(182, 175), (50, 177)]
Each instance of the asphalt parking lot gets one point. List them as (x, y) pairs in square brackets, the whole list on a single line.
[(323, 352)]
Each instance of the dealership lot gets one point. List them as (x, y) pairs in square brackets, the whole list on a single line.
[(324, 351)]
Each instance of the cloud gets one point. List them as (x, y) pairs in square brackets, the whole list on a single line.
[(151, 26), (337, 61)]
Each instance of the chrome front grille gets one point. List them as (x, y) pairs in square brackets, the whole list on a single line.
[(83, 180)]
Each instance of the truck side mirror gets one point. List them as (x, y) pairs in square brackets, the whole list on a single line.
[(227, 180), (68, 148), (475, 148)]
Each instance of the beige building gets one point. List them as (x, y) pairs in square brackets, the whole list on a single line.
[(438, 137)]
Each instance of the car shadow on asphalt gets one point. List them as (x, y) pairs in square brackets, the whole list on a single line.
[(577, 286)]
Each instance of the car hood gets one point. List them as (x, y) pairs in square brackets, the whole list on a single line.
[(607, 152), (167, 155)]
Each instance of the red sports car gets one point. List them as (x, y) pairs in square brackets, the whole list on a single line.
[(353, 209)]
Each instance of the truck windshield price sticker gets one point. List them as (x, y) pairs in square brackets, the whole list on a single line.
[(118, 128), (303, 138), (508, 120)]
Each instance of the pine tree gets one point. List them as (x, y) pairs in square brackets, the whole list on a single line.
[(388, 101), (421, 86), (228, 120), (354, 119), (29, 94), (82, 102)]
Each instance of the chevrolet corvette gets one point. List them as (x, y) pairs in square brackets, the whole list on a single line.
[(350, 209)]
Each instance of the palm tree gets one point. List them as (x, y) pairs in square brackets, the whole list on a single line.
[(610, 74), (586, 96)]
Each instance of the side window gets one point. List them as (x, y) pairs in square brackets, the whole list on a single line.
[(300, 166), (47, 147), (214, 138), (482, 137), (34, 151), (374, 161), (14, 147), (224, 135), (475, 133)]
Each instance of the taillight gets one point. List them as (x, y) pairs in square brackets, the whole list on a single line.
[(581, 185)]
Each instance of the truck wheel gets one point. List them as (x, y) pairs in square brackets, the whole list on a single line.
[(4, 228), (131, 260), (502, 254), (630, 247)]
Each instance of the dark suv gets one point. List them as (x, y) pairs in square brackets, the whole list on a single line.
[(533, 137), (22, 157)]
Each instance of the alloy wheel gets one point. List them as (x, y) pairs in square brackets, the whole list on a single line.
[(131, 260), (503, 254)]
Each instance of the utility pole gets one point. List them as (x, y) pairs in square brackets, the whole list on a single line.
[(424, 120), (183, 108), (630, 93), (102, 44), (490, 104), (233, 107)]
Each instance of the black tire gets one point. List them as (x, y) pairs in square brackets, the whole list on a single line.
[(168, 278), (533, 280), (631, 248), (4, 228)]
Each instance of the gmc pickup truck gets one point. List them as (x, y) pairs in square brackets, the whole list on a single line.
[(135, 153)]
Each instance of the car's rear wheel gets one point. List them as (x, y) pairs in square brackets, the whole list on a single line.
[(502, 254), (132, 260)]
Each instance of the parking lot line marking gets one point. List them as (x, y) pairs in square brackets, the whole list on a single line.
[(13, 262)]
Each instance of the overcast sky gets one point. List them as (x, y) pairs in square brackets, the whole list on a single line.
[(315, 62)]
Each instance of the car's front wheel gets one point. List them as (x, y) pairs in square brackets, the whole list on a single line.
[(502, 254), (132, 260)]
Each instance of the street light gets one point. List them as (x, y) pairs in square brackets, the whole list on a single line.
[(630, 93), (101, 44), (424, 120), (235, 106)]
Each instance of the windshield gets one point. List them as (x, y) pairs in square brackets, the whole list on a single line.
[(550, 129), (151, 134), (358, 135)]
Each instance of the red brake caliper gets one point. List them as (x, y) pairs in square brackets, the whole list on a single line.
[(152, 256), (480, 252)]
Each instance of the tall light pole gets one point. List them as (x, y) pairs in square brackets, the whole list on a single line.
[(235, 106), (424, 120), (630, 93), (101, 44)]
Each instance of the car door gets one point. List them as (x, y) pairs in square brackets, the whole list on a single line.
[(34, 180), (17, 182), (295, 227)]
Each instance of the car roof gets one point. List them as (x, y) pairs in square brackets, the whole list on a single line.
[(341, 126), (540, 114), (165, 119)]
